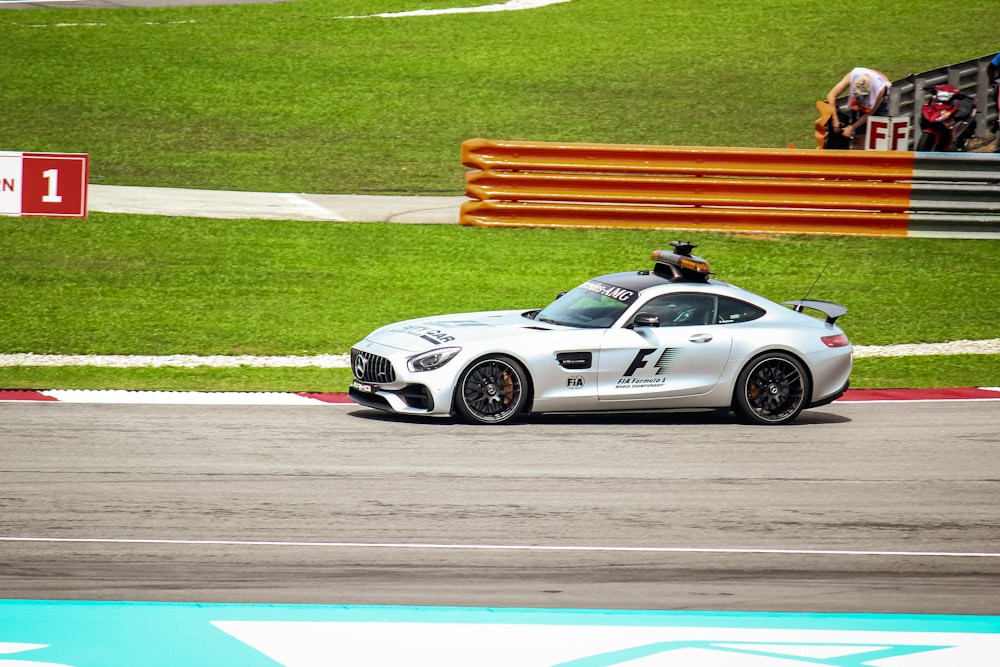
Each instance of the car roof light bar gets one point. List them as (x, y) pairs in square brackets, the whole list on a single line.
[(680, 265)]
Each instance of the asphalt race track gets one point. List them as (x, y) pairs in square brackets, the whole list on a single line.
[(859, 507)]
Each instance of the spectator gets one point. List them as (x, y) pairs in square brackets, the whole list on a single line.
[(869, 96)]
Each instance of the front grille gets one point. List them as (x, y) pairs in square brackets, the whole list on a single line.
[(370, 367)]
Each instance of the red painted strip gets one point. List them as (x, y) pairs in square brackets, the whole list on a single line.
[(24, 395), (958, 393), (326, 397), (954, 393)]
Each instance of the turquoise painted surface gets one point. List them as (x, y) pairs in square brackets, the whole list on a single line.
[(122, 634)]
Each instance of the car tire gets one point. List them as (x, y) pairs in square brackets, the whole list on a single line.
[(492, 390), (772, 389)]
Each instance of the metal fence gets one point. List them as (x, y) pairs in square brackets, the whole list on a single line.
[(908, 94)]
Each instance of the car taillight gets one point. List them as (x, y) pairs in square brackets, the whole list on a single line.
[(840, 340)]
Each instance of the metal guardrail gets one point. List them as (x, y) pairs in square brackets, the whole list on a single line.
[(908, 94), (955, 193), (890, 193)]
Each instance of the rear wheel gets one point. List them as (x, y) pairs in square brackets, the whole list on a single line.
[(968, 133), (493, 390), (772, 389)]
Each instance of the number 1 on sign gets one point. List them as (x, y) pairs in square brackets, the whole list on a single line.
[(52, 177)]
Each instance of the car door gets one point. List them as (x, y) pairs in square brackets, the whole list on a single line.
[(684, 356)]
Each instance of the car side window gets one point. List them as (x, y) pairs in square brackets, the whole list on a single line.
[(678, 310), (731, 311)]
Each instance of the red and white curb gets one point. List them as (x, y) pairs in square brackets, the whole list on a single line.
[(119, 396), (332, 398), (948, 394)]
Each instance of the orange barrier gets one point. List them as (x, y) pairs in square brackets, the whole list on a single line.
[(798, 193), (517, 183), (694, 160), (545, 214)]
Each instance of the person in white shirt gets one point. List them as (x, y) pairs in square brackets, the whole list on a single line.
[(869, 96)]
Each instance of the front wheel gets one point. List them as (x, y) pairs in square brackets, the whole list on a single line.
[(493, 390), (772, 389), (927, 142)]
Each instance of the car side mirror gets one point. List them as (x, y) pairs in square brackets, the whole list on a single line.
[(645, 320)]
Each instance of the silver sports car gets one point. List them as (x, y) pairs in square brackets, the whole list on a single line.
[(666, 338)]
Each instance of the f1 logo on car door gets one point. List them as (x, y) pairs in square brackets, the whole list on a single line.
[(653, 362)]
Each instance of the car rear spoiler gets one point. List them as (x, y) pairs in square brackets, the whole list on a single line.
[(830, 309)]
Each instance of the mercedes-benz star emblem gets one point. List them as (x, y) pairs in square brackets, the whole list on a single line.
[(360, 366)]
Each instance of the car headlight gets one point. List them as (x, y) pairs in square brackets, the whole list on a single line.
[(429, 361)]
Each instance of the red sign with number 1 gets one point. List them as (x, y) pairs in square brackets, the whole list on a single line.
[(43, 184)]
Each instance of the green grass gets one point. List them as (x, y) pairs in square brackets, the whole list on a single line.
[(289, 97), (125, 284), (961, 370), (884, 373), (177, 379), (129, 284)]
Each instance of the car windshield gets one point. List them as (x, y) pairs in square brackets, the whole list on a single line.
[(595, 305)]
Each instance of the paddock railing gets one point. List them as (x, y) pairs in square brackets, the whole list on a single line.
[(891, 193), (907, 94)]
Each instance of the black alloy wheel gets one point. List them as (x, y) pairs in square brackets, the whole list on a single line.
[(493, 390), (772, 389)]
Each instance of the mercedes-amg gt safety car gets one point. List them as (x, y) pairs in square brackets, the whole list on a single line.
[(670, 337)]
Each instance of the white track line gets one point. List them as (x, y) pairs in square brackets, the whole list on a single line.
[(510, 547), (510, 5), (176, 360), (989, 346), (123, 396)]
